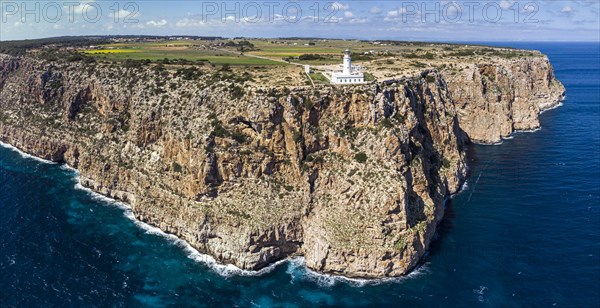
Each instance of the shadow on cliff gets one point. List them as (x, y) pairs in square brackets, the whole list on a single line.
[(447, 223), (464, 143)]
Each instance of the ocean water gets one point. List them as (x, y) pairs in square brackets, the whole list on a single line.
[(524, 232)]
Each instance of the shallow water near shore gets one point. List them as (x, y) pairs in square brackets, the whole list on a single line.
[(525, 231)]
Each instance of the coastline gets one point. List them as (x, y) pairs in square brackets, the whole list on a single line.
[(229, 270), (224, 270), (551, 106)]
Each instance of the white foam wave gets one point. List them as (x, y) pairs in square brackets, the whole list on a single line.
[(495, 143), (99, 197), (519, 131), (528, 130), (26, 155), (225, 270), (68, 168), (464, 187), (560, 104), (296, 266)]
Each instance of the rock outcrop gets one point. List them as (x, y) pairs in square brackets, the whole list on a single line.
[(353, 178), (495, 99)]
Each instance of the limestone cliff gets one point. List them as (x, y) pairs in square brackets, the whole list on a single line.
[(495, 99), (353, 178)]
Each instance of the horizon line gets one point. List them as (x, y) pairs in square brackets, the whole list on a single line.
[(316, 38)]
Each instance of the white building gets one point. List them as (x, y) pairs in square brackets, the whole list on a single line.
[(349, 74)]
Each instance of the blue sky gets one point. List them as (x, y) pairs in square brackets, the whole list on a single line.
[(460, 20)]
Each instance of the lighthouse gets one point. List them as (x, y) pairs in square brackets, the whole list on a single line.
[(347, 63), (348, 75)]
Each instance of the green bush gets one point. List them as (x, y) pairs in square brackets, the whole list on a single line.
[(238, 136), (308, 104), (177, 167), (219, 130), (236, 92), (308, 57), (387, 123), (429, 56), (400, 118), (418, 64), (446, 163), (361, 157), (297, 136), (369, 77)]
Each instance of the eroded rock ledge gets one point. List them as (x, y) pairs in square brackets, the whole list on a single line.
[(352, 178)]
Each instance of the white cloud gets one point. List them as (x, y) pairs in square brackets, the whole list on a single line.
[(189, 22), (452, 8), (340, 6), (375, 10), (393, 14), (358, 20), (506, 4), (334, 20), (348, 14), (159, 24), (126, 14), (567, 10), (528, 8), (83, 6), (453, 12)]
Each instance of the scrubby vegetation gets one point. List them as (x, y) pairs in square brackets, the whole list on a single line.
[(361, 157)]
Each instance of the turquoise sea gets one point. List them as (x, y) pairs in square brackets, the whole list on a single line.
[(524, 232)]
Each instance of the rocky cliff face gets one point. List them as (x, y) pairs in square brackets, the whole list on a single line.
[(495, 99), (352, 178)]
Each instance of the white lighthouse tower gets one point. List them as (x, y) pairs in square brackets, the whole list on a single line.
[(347, 63), (349, 74)]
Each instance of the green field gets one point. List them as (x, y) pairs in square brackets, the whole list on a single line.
[(330, 50), (319, 78), (298, 49), (268, 52), (191, 56), (295, 49), (110, 51), (258, 51), (187, 50)]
